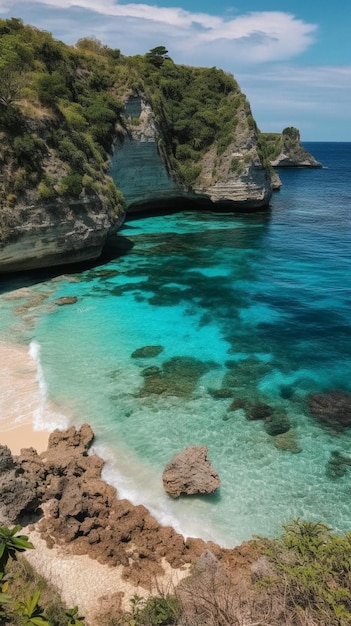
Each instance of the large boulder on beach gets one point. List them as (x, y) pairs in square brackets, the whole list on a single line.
[(332, 408), (190, 472)]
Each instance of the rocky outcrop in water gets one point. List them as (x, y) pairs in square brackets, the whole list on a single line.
[(290, 151), (190, 472)]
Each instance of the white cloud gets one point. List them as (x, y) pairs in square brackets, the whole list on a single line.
[(253, 37)]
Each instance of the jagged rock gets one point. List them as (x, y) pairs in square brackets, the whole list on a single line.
[(190, 472), (42, 235), (6, 459), (292, 153), (18, 495), (332, 408), (300, 159), (276, 182)]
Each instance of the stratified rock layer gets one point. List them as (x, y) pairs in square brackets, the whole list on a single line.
[(146, 179), (63, 232)]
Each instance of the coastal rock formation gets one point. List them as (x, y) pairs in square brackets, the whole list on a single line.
[(44, 235), (18, 494), (83, 512), (290, 152), (190, 472), (236, 181)]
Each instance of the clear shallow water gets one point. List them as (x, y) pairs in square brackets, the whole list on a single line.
[(257, 303)]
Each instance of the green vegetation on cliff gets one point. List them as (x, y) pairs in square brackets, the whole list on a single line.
[(275, 143), (61, 108), (195, 108), (58, 116)]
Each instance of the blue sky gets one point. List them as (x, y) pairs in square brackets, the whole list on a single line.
[(292, 58)]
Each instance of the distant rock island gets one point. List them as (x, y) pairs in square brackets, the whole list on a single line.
[(88, 135), (285, 150)]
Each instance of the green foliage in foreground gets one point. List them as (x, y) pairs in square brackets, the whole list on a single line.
[(25, 598), (309, 580), (153, 611), (313, 568)]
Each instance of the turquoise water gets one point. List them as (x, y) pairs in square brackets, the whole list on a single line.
[(257, 304)]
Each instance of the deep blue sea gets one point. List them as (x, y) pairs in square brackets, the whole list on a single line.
[(257, 304)]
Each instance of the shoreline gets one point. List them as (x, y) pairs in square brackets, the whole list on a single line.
[(20, 400), (21, 405)]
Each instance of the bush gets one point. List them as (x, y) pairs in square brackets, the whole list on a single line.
[(314, 566), (51, 88), (71, 185), (153, 611), (30, 151), (21, 589), (46, 191)]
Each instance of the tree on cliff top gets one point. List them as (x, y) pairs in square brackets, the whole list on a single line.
[(157, 55)]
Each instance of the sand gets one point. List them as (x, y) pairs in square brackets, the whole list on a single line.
[(20, 400), (93, 587)]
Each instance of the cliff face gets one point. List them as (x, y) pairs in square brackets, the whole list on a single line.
[(49, 235), (190, 139), (237, 180)]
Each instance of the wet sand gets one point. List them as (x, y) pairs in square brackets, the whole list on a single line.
[(19, 400)]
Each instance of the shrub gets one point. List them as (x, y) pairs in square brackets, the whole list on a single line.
[(46, 191), (314, 566), (71, 185), (30, 151), (153, 611), (52, 87)]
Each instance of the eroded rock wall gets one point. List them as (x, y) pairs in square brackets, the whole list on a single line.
[(236, 181), (54, 234)]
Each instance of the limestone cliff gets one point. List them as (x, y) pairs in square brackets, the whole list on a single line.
[(52, 234), (235, 180)]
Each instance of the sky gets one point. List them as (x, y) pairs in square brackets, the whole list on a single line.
[(292, 58)]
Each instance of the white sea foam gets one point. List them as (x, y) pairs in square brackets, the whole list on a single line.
[(138, 482), (46, 416)]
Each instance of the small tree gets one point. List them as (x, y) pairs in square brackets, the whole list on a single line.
[(157, 55)]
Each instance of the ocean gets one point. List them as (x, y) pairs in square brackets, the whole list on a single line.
[(192, 319)]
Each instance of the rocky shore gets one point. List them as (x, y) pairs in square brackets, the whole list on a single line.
[(77, 520)]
